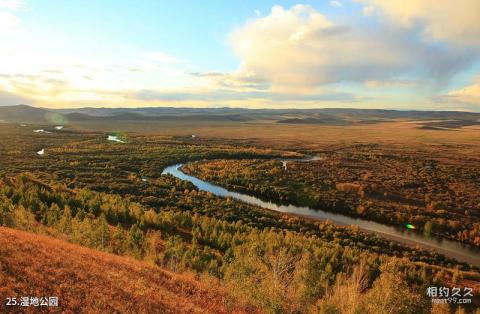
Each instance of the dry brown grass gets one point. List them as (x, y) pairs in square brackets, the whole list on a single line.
[(396, 134), (87, 281)]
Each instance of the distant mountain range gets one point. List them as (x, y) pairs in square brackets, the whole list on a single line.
[(339, 116)]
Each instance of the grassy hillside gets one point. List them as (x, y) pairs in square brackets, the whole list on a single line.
[(89, 281)]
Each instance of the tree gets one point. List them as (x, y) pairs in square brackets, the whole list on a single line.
[(135, 241)]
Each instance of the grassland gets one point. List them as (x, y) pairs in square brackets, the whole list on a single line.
[(396, 135)]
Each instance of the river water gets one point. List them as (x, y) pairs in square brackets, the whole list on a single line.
[(459, 251)]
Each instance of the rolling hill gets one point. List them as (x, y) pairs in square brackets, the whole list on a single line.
[(431, 120), (88, 281), (23, 113)]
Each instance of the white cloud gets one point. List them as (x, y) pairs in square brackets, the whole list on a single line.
[(368, 10), (235, 95), (391, 83), (53, 79), (336, 4), (13, 5), (452, 21), (8, 22), (299, 49), (467, 95)]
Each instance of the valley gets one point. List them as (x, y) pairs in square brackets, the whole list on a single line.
[(102, 187)]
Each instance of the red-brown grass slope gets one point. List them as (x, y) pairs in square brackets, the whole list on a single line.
[(88, 281)]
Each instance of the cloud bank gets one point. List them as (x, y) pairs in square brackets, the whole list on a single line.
[(9, 21), (467, 95), (451, 21), (299, 49)]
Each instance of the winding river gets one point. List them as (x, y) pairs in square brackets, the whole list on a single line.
[(456, 250)]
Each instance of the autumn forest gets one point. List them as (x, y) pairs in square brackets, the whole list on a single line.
[(79, 187)]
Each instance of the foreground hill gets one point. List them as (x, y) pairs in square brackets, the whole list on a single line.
[(90, 281)]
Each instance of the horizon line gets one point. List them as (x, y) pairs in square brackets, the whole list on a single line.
[(242, 108)]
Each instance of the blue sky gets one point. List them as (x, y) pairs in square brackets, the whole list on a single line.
[(193, 30), (359, 53)]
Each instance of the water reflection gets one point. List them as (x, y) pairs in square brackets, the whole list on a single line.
[(114, 138), (449, 248)]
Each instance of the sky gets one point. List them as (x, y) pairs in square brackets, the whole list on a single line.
[(417, 54)]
